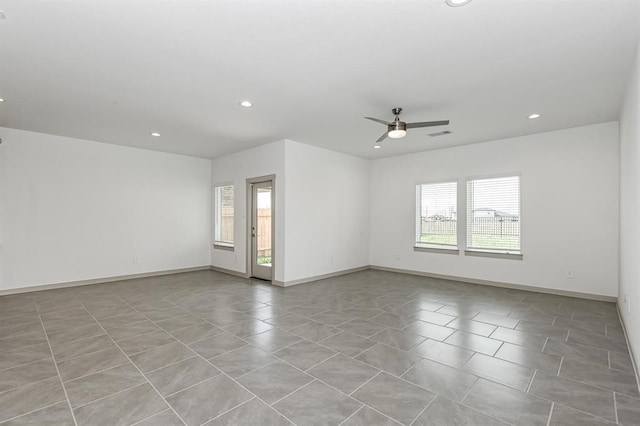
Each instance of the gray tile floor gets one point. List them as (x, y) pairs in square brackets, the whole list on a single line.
[(370, 348)]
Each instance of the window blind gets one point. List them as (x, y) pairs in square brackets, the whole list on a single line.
[(436, 214), (493, 214)]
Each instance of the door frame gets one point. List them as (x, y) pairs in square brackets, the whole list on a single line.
[(249, 241)]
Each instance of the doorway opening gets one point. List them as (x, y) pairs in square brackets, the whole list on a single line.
[(261, 197)]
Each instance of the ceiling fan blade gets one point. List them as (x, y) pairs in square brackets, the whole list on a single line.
[(427, 124), (383, 137), (378, 120)]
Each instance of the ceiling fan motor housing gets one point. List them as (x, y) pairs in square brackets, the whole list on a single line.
[(398, 125), (398, 129)]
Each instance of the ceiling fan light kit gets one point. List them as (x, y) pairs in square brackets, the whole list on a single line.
[(398, 129), (457, 3)]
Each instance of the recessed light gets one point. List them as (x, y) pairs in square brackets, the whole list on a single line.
[(533, 116), (1, 100), (376, 147), (246, 104), (457, 3), (155, 134)]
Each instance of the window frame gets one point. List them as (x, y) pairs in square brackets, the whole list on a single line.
[(431, 247), (485, 252), (223, 245)]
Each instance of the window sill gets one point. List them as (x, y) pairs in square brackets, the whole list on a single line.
[(494, 254), (436, 249), (223, 247)]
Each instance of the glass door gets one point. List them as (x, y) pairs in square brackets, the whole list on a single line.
[(261, 229)]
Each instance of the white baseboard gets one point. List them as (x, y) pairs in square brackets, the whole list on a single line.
[(318, 277), (229, 271), (310, 279), (577, 294), (99, 280), (634, 362)]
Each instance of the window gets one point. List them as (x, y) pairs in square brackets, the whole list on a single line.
[(223, 211), (436, 215), (493, 214)]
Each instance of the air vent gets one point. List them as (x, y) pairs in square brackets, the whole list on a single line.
[(445, 132)]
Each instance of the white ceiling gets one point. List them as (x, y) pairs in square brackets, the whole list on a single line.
[(114, 71)]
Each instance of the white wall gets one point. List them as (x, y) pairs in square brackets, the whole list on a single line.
[(630, 210), (237, 168), (569, 192), (313, 186), (327, 211), (74, 209)]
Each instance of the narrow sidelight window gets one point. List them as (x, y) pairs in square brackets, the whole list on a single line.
[(223, 212)]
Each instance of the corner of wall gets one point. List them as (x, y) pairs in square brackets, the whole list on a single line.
[(629, 231)]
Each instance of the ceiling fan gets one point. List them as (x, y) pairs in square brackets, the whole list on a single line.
[(398, 129)]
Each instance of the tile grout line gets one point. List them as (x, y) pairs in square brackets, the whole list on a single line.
[(193, 385), (553, 405), (425, 408), (533, 376), (240, 405), (339, 352), (64, 342), (171, 363), (373, 409), (29, 412), (147, 418), (136, 367), (137, 335), (470, 389), (200, 340), (322, 381), (255, 369), (110, 395), (468, 361), (476, 409), (331, 386), (352, 415), (363, 384), (221, 372), (22, 365), (87, 354), (279, 349), (28, 384), (560, 365), (96, 372), (290, 393), (64, 389), (365, 301), (154, 347), (314, 365), (545, 344)]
